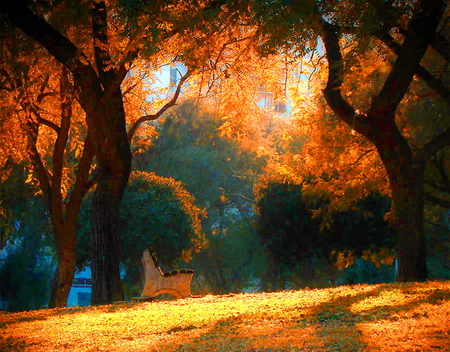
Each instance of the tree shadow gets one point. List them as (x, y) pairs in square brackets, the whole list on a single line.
[(337, 325), (328, 326)]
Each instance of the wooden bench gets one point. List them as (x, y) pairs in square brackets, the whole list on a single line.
[(176, 283)]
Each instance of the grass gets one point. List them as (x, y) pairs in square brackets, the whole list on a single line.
[(386, 317)]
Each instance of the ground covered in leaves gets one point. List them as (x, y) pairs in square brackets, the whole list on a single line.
[(387, 317)]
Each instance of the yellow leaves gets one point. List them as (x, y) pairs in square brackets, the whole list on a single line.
[(343, 259), (143, 138), (384, 256), (386, 298)]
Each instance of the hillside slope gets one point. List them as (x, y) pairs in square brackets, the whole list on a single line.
[(386, 317)]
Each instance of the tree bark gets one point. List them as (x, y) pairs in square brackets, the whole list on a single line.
[(114, 160), (411, 242), (407, 180), (107, 286), (65, 270)]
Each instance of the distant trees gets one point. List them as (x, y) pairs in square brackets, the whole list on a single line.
[(26, 260), (190, 148), (286, 229), (290, 228)]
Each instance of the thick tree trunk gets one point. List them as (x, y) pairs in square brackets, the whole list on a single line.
[(114, 159), (411, 241), (107, 286), (65, 271), (406, 177), (407, 187)]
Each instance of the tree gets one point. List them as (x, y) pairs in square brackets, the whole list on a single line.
[(26, 262), (289, 226), (286, 228), (404, 165), (220, 175), (41, 105), (190, 148), (420, 26), (97, 72), (156, 213)]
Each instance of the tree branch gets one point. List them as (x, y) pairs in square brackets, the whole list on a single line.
[(435, 145), (436, 200), (48, 123), (168, 105), (422, 72), (82, 184), (38, 165), (61, 141), (57, 45), (332, 91), (420, 34)]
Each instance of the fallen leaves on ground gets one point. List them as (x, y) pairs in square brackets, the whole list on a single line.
[(385, 317)]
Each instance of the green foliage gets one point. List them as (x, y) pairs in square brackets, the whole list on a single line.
[(285, 224), (364, 271), (189, 148), (289, 228), (13, 206), (438, 240), (362, 227), (232, 262), (25, 278), (158, 213), (26, 266)]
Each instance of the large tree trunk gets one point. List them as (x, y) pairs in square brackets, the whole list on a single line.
[(107, 286), (65, 271), (411, 242), (406, 176), (114, 159)]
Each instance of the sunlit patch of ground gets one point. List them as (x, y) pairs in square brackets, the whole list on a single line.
[(394, 317)]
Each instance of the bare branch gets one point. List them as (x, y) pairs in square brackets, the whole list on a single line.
[(437, 144), (420, 34), (47, 123), (422, 72), (168, 105)]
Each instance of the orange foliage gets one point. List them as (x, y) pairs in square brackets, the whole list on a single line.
[(320, 151)]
